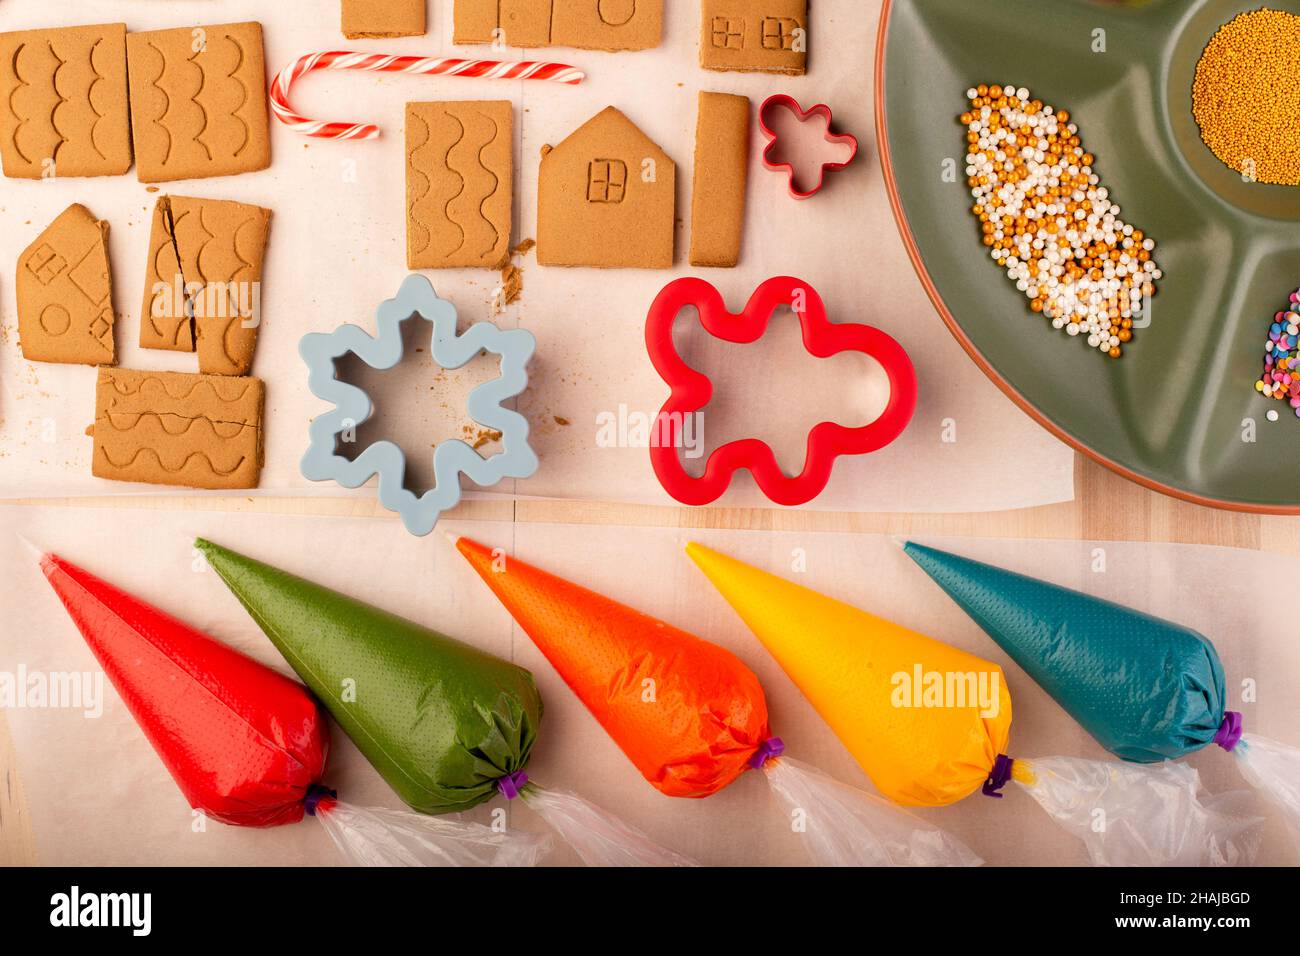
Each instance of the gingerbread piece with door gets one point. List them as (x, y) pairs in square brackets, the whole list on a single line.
[(582, 24)]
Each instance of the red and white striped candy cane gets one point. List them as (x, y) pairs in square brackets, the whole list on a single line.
[(384, 63)]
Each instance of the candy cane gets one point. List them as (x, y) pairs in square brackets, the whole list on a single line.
[(384, 63)]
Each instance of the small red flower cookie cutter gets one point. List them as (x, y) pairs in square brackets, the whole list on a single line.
[(789, 103), (692, 391)]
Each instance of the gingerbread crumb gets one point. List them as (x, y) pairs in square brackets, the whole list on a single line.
[(481, 436), (512, 284)]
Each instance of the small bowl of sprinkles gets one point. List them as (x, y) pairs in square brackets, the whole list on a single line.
[(1246, 96), (1047, 220), (1281, 377)]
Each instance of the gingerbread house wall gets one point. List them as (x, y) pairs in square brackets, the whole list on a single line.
[(607, 198)]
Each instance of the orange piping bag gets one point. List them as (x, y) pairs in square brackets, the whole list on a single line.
[(691, 716)]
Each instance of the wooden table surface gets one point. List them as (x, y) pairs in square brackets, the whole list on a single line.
[(1105, 508)]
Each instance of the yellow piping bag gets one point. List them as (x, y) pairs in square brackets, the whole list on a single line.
[(930, 723)]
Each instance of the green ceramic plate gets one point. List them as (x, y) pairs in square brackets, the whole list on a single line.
[(1178, 412)]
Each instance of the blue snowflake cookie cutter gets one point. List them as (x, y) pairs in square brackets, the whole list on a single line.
[(352, 406)]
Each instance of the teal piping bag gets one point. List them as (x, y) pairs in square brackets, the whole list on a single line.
[(1147, 689)]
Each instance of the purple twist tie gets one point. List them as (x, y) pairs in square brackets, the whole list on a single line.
[(768, 749), (315, 794), (999, 776), (1229, 731), (512, 783)]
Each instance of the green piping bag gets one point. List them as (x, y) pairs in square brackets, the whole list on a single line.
[(447, 725)]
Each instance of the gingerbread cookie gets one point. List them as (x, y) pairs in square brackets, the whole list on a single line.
[(582, 24), (198, 102), (175, 428), (606, 197), (520, 23), (607, 24), (754, 36), (65, 295), (78, 73), (365, 19), (721, 170), (203, 281), (459, 181)]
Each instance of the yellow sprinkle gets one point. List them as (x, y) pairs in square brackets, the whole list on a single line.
[(1246, 99)]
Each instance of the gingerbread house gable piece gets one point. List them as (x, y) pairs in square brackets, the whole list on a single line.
[(610, 127), (607, 198)]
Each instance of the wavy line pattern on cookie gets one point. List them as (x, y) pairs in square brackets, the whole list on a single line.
[(160, 277), (218, 117), (13, 109), (54, 113), (458, 183), (243, 87), (446, 161), (63, 102), (90, 98), (159, 120), (203, 110), (208, 236), (244, 264), (496, 186), (174, 470), (420, 235), (243, 384), (222, 429), (177, 428)]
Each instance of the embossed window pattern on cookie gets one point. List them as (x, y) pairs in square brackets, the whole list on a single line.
[(729, 33), (778, 33), (606, 180), (45, 264)]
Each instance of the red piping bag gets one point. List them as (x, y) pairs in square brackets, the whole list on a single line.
[(247, 745)]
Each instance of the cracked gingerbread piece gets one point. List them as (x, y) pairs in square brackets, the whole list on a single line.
[(203, 281), (198, 102), (65, 103), (177, 428), (370, 19), (754, 36), (459, 181), (65, 294), (606, 197)]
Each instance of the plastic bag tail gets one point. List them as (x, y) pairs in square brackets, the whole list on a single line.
[(597, 836), (1273, 769), (844, 826), (1143, 814), (376, 836)]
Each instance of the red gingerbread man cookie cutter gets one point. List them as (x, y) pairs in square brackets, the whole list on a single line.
[(692, 391), (781, 101)]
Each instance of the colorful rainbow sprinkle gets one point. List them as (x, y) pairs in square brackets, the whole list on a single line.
[(1281, 378)]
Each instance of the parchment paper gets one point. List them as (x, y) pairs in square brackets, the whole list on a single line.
[(337, 248), (98, 794)]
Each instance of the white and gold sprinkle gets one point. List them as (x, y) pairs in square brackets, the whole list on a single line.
[(1048, 221)]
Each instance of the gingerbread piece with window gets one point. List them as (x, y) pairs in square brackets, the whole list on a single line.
[(606, 198), (754, 36)]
